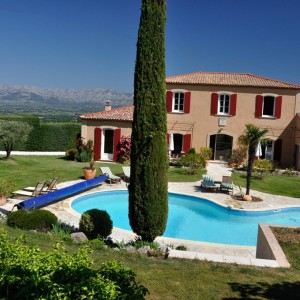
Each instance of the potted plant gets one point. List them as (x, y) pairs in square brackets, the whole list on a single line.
[(6, 188), (90, 172)]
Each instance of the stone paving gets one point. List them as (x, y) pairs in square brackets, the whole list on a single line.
[(196, 250)]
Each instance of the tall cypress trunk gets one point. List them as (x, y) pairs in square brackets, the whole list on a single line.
[(148, 197)]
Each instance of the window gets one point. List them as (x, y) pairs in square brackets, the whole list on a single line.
[(178, 101), (268, 106), (223, 107), (223, 104)]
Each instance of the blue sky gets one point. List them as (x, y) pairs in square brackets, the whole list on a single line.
[(92, 43)]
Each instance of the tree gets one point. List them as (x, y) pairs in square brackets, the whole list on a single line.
[(148, 189), (251, 138), (12, 132)]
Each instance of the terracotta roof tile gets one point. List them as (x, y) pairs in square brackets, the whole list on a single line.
[(117, 114), (229, 79)]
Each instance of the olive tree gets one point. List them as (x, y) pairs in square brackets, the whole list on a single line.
[(12, 132), (148, 196)]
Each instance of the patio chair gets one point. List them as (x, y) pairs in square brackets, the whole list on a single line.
[(110, 176), (51, 187), (126, 171), (208, 183), (36, 192), (226, 184)]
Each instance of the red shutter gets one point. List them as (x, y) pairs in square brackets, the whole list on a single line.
[(97, 143), (259, 106), (187, 138), (233, 104), (169, 101), (187, 102), (278, 106), (214, 103), (117, 137)]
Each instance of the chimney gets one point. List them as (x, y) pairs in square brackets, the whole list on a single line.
[(107, 105)]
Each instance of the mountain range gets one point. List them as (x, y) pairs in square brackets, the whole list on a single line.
[(28, 99)]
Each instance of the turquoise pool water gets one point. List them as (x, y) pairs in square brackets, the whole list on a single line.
[(194, 218)]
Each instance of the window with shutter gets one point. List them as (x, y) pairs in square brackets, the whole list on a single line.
[(117, 137), (178, 101), (223, 103), (97, 143), (268, 106)]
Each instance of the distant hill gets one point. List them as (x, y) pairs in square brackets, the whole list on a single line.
[(40, 101)]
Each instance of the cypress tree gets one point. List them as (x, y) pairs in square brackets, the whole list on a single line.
[(148, 192)]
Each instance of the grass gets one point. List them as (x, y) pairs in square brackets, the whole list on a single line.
[(276, 185), (191, 279), (28, 170)]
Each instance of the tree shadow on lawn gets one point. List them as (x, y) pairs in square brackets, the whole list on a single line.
[(262, 290)]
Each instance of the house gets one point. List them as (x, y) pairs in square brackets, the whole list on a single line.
[(211, 109)]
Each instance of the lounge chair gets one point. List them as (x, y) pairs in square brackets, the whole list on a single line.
[(208, 183), (36, 192), (110, 176), (51, 187), (126, 171), (226, 184)]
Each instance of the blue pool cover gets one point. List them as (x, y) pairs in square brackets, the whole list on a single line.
[(60, 194)]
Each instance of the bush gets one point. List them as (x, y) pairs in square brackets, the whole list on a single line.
[(85, 151), (37, 219), (124, 148), (238, 156), (71, 154), (206, 153), (28, 273), (193, 161), (96, 223)]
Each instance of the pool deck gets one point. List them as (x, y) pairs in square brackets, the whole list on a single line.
[(195, 250)]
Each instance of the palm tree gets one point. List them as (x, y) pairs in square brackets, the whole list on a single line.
[(251, 138)]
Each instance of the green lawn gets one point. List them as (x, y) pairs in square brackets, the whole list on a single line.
[(192, 279), (277, 185)]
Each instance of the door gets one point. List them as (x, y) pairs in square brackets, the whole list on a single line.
[(221, 144), (107, 144)]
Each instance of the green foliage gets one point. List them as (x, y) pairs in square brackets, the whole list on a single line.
[(28, 273), (7, 186), (71, 154), (239, 155), (262, 166), (62, 230), (206, 152), (13, 132), (29, 119), (193, 162), (95, 223), (140, 243), (37, 219), (97, 244), (53, 137), (148, 199), (85, 151), (251, 138)]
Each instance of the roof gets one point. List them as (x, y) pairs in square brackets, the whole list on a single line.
[(229, 79), (117, 114)]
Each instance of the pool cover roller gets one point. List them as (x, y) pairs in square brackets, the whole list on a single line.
[(60, 194)]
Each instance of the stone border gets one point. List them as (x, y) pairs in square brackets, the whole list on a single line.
[(267, 246)]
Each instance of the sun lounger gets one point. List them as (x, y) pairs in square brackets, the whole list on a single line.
[(49, 188), (110, 176), (126, 171), (208, 183), (37, 190), (226, 184)]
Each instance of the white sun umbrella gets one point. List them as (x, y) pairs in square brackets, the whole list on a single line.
[(258, 151), (171, 144)]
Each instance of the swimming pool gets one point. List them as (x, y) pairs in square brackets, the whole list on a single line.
[(194, 218)]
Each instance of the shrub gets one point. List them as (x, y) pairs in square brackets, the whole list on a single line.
[(193, 161), (238, 156), (124, 148), (262, 166), (71, 154), (28, 273), (85, 151), (206, 153), (96, 223), (37, 219)]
